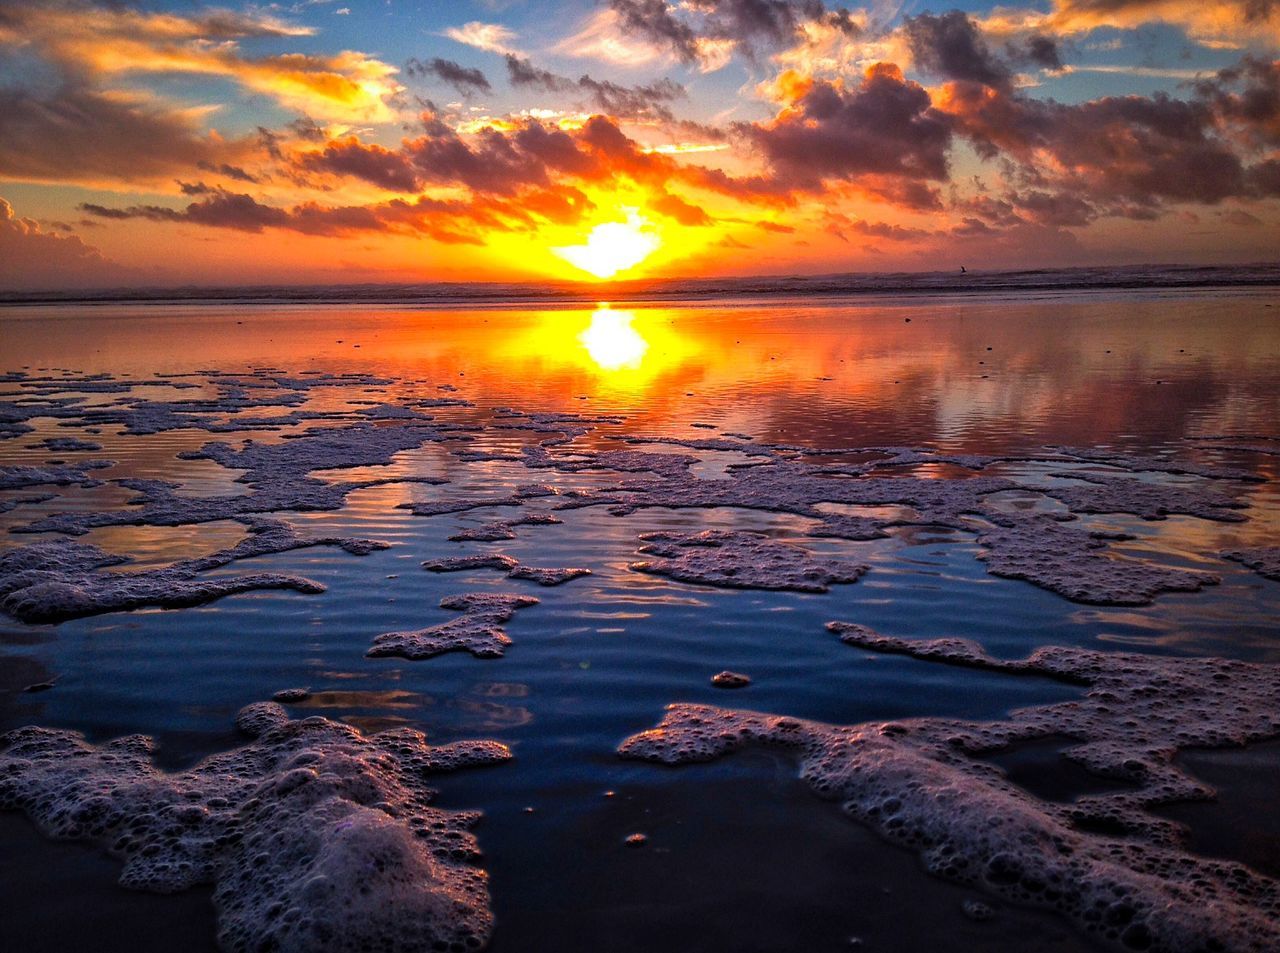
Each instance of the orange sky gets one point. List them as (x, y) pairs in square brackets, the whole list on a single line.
[(167, 142)]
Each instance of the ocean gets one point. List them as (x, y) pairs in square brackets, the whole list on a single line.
[(1083, 460)]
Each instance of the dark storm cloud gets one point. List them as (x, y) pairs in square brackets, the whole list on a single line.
[(1060, 209), (462, 78), (1055, 208), (1264, 178)]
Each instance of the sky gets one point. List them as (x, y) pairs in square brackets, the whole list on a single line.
[(338, 141)]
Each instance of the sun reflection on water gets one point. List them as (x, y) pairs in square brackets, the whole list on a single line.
[(612, 342), (619, 351)]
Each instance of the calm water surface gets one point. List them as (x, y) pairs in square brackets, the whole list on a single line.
[(741, 856)]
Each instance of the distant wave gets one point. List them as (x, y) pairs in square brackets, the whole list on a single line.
[(689, 289)]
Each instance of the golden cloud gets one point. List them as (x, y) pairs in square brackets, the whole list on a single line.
[(93, 43)]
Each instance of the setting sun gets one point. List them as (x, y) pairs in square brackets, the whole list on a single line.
[(612, 247)]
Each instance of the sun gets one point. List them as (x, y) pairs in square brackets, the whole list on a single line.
[(612, 247)]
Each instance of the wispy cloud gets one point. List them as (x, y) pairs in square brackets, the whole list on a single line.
[(601, 37), (490, 37), (93, 43)]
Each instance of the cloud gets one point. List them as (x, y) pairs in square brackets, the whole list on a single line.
[(951, 47), (1123, 155), (632, 101), (523, 154), (884, 128), (75, 134), (1239, 21), (448, 221), (220, 25), (842, 225), (676, 208), (31, 258), (601, 37), (91, 44), (840, 137), (1219, 24), (228, 170), (520, 177), (370, 162), (621, 102), (1245, 99), (1239, 217), (462, 78), (706, 31), (521, 72), (490, 37)]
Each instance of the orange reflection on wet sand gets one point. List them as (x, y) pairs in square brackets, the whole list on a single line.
[(982, 373)]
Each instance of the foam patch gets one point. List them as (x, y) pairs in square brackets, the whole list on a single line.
[(918, 783), (314, 836), (1264, 560), (1074, 563), (938, 487), (543, 576), (741, 560), (18, 477), (56, 580), (499, 530), (478, 630)]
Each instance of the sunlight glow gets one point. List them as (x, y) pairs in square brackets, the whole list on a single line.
[(611, 340), (612, 247)]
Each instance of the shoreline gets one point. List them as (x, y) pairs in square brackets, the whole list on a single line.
[(683, 291)]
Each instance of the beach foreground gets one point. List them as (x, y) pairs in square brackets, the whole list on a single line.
[(791, 624)]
